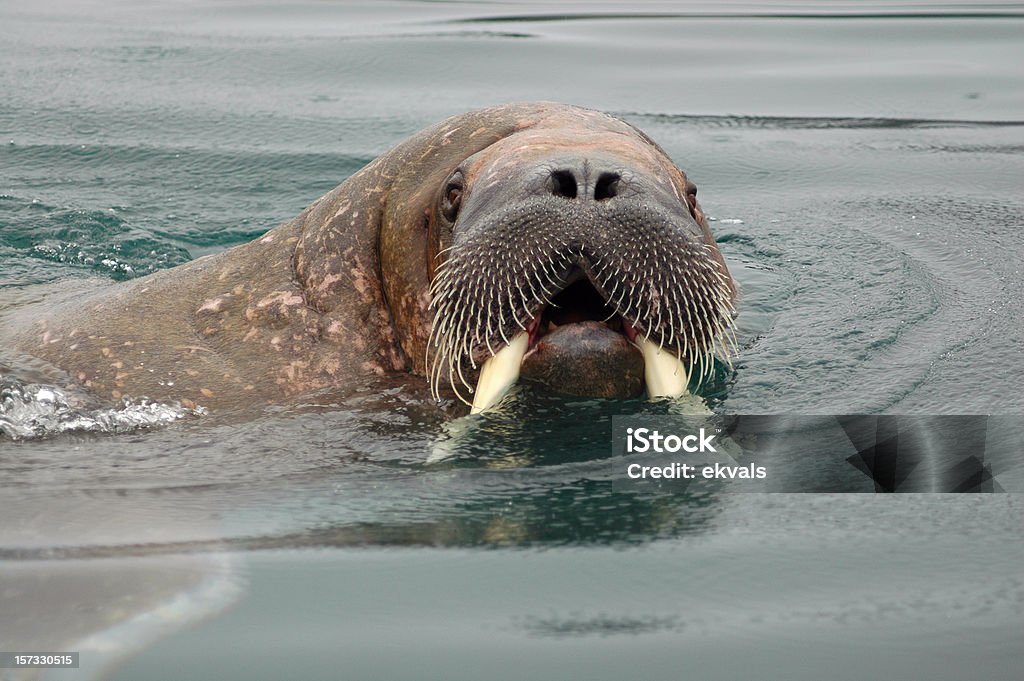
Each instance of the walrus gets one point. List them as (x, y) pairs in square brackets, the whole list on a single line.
[(532, 240)]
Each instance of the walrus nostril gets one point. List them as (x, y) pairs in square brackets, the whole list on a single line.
[(607, 186), (563, 183)]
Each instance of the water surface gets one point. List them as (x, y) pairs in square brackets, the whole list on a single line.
[(862, 164)]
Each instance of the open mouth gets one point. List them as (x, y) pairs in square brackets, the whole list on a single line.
[(579, 315), (578, 302)]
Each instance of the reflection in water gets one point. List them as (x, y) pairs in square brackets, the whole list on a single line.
[(131, 559), (144, 553), (104, 609), (108, 600)]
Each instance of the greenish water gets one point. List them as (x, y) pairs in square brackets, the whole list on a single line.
[(862, 163)]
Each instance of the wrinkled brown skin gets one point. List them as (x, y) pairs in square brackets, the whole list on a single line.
[(338, 293)]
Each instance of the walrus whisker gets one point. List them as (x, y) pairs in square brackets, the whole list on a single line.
[(443, 251), (522, 299), (690, 313), (540, 283), (462, 376), (679, 312), (501, 330), (726, 356), (511, 302), (487, 338)]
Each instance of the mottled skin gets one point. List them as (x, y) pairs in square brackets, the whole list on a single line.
[(338, 293)]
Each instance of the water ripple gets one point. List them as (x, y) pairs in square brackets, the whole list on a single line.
[(815, 122)]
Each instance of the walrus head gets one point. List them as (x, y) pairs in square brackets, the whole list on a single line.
[(573, 253)]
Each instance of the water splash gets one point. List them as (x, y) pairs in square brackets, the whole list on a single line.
[(34, 410)]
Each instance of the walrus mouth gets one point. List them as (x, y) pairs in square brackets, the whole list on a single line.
[(580, 303), (675, 308)]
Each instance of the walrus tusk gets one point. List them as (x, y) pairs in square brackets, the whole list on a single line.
[(499, 373), (664, 373)]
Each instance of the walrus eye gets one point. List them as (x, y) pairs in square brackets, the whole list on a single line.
[(691, 198), (452, 198)]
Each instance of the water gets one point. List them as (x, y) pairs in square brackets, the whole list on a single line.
[(862, 163)]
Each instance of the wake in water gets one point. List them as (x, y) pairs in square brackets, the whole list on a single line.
[(34, 410)]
